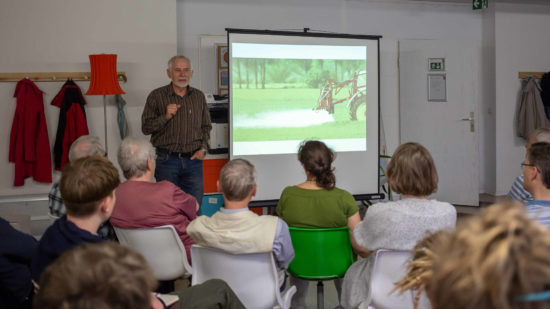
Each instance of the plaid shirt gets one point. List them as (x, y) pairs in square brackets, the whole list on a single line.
[(57, 209), (55, 201), (187, 131)]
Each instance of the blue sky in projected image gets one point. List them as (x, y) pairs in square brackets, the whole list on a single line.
[(285, 51)]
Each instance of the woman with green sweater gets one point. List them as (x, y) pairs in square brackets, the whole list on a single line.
[(317, 203)]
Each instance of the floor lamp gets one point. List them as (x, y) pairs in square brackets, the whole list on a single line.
[(104, 81)]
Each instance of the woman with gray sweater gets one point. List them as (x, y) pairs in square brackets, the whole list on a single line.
[(398, 225)]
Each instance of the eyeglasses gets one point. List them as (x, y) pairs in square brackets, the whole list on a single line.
[(526, 164), (186, 71)]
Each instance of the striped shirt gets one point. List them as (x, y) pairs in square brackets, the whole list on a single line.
[(187, 131), (517, 192), (539, 210)]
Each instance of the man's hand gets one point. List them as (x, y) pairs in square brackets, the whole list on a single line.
[(199, 154), (171, 110)]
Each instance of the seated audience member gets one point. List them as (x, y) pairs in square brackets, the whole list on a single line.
[(16, 249), (517, 192), (399, 224), (498, 259), (317, 203), (109, 275), (84, 146), (536, 174), (142, 203), (88, 189), (236, 229)]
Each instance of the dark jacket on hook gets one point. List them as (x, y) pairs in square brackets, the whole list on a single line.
[(29, 143), (72, 121)]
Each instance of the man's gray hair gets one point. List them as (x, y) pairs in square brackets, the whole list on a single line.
[(85, 146), (178, 57), (542, 135), (132, 156), (237, 179)]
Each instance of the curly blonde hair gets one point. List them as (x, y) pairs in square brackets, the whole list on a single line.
[(489, 262)]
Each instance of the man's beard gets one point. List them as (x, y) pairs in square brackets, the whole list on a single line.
[(181, 84)]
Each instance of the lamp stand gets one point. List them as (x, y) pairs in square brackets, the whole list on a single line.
[(105, 123)]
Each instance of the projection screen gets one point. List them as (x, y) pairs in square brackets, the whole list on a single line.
[(287, 87)]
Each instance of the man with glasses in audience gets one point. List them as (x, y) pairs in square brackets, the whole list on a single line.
[(536, 174), (517, 192), (177, 117)]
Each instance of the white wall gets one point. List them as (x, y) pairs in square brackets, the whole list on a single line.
[(58, 35), (487, 120), (522, 43), (394, 21)]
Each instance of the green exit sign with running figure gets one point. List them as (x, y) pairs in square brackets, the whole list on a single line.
[(480, 4)]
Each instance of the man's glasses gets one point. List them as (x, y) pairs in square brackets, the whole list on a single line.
[(526, 164), (186, 71)]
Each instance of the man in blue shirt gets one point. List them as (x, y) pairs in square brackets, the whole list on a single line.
[(536, 174)]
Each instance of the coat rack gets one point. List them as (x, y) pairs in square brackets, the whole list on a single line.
[(537, 75), (53, 76)]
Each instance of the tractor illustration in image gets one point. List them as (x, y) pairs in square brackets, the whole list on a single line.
[(356, 97)]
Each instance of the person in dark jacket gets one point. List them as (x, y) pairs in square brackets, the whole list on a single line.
[(16, 249), (88, 189)]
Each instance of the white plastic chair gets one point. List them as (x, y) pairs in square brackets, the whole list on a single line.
[(390, 266), (253, 277), (162, 248)]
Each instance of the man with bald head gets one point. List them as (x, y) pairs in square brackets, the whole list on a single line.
[(82, 147)]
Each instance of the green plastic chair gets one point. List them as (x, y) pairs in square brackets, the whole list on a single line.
[(320, 254)]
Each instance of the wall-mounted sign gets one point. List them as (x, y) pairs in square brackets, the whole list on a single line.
[(480, 4), (437, 87), (436, 64)]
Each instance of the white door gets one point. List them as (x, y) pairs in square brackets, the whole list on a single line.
[(447, 129)]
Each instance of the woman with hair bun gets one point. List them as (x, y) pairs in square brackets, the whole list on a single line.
[(398, 225), (317, 203)]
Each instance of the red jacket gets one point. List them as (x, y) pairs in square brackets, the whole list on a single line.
[(72, 121), (29, 144)]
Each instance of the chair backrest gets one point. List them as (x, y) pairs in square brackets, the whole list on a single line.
[(162, 248), (253, 277), (390, 266), (320, 254)]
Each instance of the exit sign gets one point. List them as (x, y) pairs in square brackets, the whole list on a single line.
[(436, 64), (480, 4)]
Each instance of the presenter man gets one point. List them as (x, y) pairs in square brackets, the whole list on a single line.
[(178, 120)]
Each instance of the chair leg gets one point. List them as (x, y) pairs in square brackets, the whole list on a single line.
[(165, 287), (320, 296)]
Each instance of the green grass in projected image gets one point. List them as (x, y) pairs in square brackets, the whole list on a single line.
[(259, 104), (284, 105)]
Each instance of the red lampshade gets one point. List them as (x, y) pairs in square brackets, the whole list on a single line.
[(104, 75)]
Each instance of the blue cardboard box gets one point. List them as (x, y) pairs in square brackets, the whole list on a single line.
[(211, 203)]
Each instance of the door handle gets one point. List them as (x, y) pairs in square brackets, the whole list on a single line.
[(471, 120)]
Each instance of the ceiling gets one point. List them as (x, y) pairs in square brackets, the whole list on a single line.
[(470, 1)]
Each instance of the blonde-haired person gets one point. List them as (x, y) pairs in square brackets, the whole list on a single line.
[(398, 225), (499, 259)]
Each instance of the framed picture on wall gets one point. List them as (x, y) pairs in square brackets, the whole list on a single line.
[(223, 57), (223, 66)]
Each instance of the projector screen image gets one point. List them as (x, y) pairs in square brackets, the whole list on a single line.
[(285, 88), (284, 94)]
